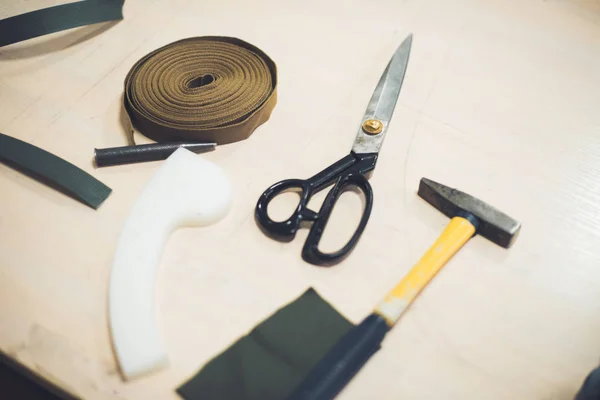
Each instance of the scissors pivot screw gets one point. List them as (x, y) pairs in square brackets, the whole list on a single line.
[(372, 126)]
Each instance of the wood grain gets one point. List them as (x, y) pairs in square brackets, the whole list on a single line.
[(501, 100)]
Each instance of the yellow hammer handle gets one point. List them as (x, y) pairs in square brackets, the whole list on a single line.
[(457, 233)]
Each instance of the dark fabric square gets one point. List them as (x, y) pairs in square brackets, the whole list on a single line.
[(269, 362)]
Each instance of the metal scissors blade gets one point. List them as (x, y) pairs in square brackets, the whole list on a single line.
[(383, 102)]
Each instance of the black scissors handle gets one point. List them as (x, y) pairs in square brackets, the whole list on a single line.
[(346, 173)]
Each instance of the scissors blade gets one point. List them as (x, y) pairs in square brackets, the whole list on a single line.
[(383, 102)]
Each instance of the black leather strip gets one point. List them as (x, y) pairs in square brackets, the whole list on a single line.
[(53, 171), (58, 18)]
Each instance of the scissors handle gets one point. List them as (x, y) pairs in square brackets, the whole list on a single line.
[(285, 230), (346, 172), (310, 251)]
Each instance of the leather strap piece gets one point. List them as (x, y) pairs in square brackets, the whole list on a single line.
[(53, 171), (209, 89), (58, 18)]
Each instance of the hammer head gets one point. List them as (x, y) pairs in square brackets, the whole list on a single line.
[(493, 224)]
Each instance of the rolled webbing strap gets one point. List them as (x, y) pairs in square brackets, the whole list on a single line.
[(58, 18), (209, 89)]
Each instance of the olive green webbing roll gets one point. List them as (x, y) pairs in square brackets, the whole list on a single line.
[(210, 88)]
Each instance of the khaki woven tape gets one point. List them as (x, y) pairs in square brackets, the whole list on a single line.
[(209, 88)]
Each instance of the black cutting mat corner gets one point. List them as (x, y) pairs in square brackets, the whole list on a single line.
[(18, 382)]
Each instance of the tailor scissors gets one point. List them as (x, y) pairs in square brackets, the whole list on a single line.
[(349, 172)]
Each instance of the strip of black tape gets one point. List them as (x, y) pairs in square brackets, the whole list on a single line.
[(52, 171), (58, 18)]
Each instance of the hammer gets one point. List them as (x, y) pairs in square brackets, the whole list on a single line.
[(469, 216)]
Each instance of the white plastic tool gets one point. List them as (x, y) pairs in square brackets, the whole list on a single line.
[(186, 191)]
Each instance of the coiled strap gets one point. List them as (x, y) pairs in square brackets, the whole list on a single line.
[(53, 171), (58, 18), (208, 89)]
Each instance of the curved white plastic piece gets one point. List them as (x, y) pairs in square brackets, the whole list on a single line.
[(186, 191)]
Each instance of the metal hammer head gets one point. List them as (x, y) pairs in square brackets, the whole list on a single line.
[(492, 223)]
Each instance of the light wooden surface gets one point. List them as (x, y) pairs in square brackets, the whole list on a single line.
[(501, 99)]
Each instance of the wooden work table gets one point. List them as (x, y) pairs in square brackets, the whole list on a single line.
[(501, 99)]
